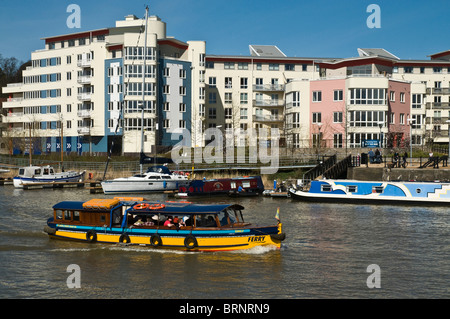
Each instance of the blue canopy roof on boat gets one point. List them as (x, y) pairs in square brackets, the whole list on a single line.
[(73, 205), (169, 208), (186, 208)]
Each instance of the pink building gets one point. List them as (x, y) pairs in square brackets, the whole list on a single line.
[(327, 108)]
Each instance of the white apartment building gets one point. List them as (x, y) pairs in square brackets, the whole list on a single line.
[(86, 89)]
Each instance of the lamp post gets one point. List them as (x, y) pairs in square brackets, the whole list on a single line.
[(448, 129), (380, 124), (319, 125), (410, 121)]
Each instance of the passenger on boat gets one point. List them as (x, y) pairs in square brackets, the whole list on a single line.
[(168, 222), (241, 189)]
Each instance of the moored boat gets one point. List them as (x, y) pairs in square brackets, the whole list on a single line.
[(168, 225), (373, 192), (156, 179), (235, 186), (45, 174)]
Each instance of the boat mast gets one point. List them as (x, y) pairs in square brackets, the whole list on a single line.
[(143, 89)]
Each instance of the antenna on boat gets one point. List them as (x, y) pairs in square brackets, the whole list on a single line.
[(143, 90)]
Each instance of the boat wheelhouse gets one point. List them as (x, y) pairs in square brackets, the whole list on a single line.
[(168, 225), (372, 192), (45, 174), (236, 186)]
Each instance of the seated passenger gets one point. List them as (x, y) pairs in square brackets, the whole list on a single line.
[(168, 222)]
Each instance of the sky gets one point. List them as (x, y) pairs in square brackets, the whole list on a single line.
[(410, 29)]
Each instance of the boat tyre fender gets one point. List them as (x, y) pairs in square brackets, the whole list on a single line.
[(49, 230), (190, 242), (124, 239), (278, 237), (91, 236), (155, 240)]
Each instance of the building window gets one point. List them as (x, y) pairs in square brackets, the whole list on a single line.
[(338, 95), (244, 98), (228, 98), (402, 97), (243, 114), (317, 117), (242, 66), (392, 96), (228, 83), (417, 101), (274, 67), (337, 117), (182, 107), (166, 106), (212, 82), (228, 65), (212, 113), (212, 98), (367, 96), (317, 96), (289, 67), (244, 83), (337, 140), (166, 123), (228, 113)]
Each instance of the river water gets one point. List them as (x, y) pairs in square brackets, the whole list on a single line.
[(326, 254)]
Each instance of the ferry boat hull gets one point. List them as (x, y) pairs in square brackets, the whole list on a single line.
[(185, 238), (362, 192)]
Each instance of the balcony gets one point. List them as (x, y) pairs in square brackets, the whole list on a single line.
[(86, 96), (84, 113), (438, 90), (84, 63), (84, 79), (268, 118), (438, 105), (268, 87), (84, 130), (268, 103)]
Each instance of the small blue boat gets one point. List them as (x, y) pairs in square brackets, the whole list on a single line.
[(372, 192)]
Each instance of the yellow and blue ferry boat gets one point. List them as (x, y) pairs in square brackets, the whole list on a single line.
[(168, 225)]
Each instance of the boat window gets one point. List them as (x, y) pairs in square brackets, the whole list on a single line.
[(326, 188), (51, 171), (233, 185), (418, 190), (21, 171), (37, 172), (45, 171), (227, 217), (117, 214), (205, 220), (76, 215), (377, 189), (102, 218), (246, 184), (352, 189), (67, 215), (165, 177), (59, 214)]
